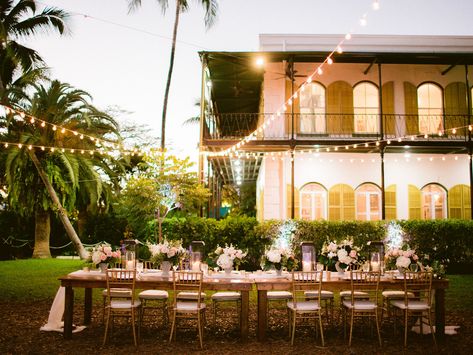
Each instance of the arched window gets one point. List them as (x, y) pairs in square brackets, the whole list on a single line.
[(366, 108), (312, 108), (434, 202), (368, 202), (430, 106), (313, 202)]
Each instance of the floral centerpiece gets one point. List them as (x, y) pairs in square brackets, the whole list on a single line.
[(103, 254), (229, 256), (401, 258), (168, 251), (339, 256), (279, 258)]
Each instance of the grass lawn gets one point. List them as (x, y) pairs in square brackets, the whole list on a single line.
[(37, 279)]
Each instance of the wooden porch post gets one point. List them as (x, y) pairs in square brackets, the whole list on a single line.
[(382, 149), (470, 148)]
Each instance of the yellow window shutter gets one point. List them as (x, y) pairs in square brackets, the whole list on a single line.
[(341, 203), (466, 198), (340, 108), (456, 108), (459, 203), (297, 213), (388, 108), (411, 108), (348, 203), (334, 203), (414, 202), (390, 202)]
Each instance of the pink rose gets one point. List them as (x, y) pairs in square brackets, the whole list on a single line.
[(352, 253), (103, 257)]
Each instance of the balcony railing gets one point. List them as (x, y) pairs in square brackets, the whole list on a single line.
[(332, 127)]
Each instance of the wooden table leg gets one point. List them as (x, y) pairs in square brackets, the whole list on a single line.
[(245, 305), (68, 312), (440, 313), (262, 314), (87, 306)]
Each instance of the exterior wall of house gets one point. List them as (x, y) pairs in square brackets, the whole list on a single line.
[(275, 83), (330, 169)]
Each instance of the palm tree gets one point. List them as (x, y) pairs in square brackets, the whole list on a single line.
[(210, 7), (19, 21), (42, 181)]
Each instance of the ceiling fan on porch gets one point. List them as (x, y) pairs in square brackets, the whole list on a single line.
[(289, 72)]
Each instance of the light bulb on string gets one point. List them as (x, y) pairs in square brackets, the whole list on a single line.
[(339, 50), (376, 5), (329, 61), (43, 124), (320, 71), (348, 36)]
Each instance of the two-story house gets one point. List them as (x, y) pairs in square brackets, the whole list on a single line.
[(378, 128)]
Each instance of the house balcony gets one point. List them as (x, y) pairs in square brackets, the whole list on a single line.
[(335, 129)]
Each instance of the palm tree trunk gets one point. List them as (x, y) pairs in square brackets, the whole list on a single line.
[(42, 231), (82, 220), (168, 83), (62, 212)]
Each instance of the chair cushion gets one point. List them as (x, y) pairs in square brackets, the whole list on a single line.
[(153, 295), (226, 296), (279, 295), (396, 294), (189, 295), (360, 305), (323, 294), (412, 305), (303, 306), (118, 292), (188, 307), (124, 304), (358, 294)]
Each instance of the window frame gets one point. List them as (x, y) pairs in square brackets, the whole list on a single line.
[(368, 211), (368, 116), (441, 115), (318, 116), (432, 202), (323, 192)]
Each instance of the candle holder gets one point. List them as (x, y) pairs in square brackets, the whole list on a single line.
[(376, 256), (196, 254), (308, 256), (129, 257)]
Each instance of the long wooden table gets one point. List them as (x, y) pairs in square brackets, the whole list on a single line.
[(335, 284), (91, 280)]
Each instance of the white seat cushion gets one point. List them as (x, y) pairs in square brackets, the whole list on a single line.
[(188, 307), (396, 294), (118, 292), (358, 294), (279, 295), (226, 296), (303, 306), (323, 294), (360, 305), (412, 305), (153, 295), (189, 295), (124, 304)]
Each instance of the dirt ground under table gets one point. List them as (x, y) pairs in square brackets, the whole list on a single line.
[(20, 334)]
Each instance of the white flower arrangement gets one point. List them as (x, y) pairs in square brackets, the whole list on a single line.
[(344, 253), (279, 257), (103, 253), (171, 251), (403, 257), (228, 256)]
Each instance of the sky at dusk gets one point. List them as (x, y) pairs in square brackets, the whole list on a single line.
[(122, 59)]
